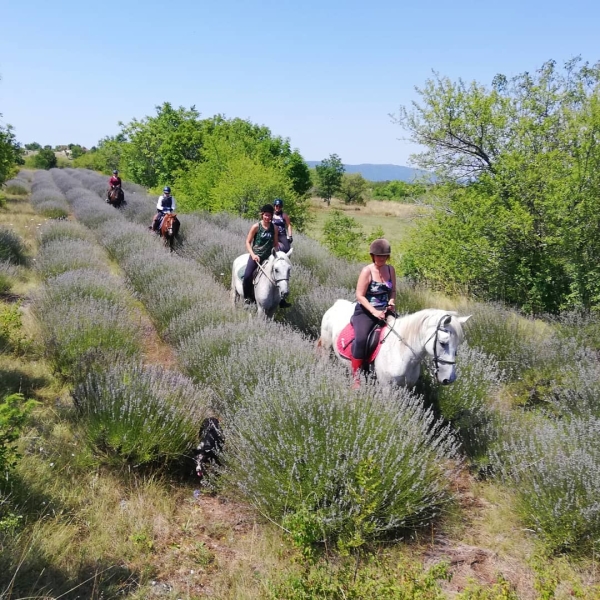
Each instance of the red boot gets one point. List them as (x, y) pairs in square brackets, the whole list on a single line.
[(356, 364)]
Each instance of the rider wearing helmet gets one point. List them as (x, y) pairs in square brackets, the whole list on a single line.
[(375, 296), (165, 204), (283, 224), (113, 182)]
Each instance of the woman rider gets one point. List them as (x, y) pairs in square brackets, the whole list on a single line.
[(283, 224), (260, 241), (375, 295)]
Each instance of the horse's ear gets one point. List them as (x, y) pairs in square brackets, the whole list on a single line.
[(446, 320), (463, 320), (289, 252), (273, 251)]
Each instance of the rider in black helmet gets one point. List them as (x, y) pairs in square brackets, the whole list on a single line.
[(165, 204)]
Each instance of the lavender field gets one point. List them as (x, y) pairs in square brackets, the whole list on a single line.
[(142, 344)]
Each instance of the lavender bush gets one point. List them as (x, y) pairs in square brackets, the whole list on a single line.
[(79, 332), (140, 415), (347, 467), (469, 403), (60, 256), (8, 274), (555, 467), (12, 247)]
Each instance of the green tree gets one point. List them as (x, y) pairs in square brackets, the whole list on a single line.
[(521, 221), (344, 236), (329, 177), (11, 153), (33, 146), (353, 188), (158, 147), (44, 159)]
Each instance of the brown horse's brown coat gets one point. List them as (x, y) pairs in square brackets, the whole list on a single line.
[(169, 222)]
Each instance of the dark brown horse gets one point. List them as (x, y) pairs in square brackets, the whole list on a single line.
[(116, 197), (169, 228)]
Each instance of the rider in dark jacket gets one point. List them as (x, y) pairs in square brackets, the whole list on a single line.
[(282, 221), (113, 182), (165, 204)]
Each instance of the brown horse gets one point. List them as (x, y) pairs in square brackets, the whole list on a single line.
[(169, 228), (116, 197)]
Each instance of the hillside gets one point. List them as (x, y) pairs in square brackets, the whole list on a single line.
[(376, 172)]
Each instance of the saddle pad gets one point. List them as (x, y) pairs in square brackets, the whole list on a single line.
[(346, 337), (242, 270)]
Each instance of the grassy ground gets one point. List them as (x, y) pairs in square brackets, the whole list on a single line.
[(159, 539), (394, 218)]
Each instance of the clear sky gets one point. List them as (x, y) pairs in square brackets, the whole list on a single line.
[(324, 73)]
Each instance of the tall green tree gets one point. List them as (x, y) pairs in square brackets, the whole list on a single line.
[(520, 221), (11, 153), (44, 159), (353, 188), (158, 147), (329, 177)]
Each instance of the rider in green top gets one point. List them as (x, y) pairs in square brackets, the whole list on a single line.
[(260, 241)]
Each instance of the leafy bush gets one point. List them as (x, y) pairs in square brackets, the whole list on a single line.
[(43, 159), (12, 339), (140, 415), (12, 247), (375, 578), (14, 410)]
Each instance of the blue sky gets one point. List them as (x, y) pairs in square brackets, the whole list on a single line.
[(325, 74)]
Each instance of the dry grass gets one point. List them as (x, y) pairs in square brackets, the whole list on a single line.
[(393, 217)]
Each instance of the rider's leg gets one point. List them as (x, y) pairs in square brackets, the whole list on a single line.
[(247, 283), (363, 322), (155, 222)]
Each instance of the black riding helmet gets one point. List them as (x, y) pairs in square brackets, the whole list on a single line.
[(267, 208)]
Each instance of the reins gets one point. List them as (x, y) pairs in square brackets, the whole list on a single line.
[(273, 281), (436, 359)]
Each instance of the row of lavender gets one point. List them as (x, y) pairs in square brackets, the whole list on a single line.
[(297, 442), (93, 337), (557, 474)]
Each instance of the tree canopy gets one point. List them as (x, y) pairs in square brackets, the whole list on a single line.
[(329, 175), (519, 218)]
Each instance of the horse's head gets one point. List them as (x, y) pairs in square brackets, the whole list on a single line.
[(444, 335), (170, 225), (282, 268)]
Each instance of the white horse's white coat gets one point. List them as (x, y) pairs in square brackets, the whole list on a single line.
[(410, 340), (272, 282)]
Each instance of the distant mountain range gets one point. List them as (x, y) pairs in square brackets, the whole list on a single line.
[(381, 172)]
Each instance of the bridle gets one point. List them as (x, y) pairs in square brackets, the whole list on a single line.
[(437, 361), (275, 282)]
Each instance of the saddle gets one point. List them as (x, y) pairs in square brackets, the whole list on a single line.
[(346, 337), (242, 270)]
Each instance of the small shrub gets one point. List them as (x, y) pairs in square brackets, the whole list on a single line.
[(555, 467), (17, 187), (12, 247), (375, 578), (140, 415), (363, 466), (12, 339), (8, 273), (60, 256), (14, 410)]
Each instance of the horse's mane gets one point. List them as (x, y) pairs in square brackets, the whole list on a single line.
[(411, 325)]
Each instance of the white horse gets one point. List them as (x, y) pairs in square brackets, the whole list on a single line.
[(271, 281), (407, 341)]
